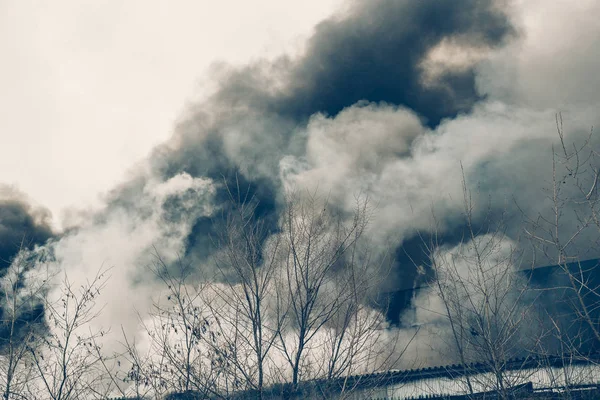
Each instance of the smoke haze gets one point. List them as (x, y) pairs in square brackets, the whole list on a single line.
[(387, 100)]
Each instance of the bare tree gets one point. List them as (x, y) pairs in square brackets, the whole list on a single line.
[(573, 211), (21, 312), (356, 326), (485, 300), (247, 265), (67, 359), (289, 302), (316, 243), (178, 328), (566, 232), (447, 292), (302, 290)]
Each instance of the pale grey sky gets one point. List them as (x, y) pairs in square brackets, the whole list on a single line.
[(89, 87)]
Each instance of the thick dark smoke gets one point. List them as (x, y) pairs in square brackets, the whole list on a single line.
[(21, 226), (374, 54)]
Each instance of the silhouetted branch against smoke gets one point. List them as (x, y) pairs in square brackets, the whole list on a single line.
[(176, 357), (68, 360), (566, 231), (572, 194), (326, 278), (481, 299), (23, 289), (248, 266), (287, 304)]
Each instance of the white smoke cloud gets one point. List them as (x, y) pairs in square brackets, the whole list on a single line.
[(124, 243), (405, 169)]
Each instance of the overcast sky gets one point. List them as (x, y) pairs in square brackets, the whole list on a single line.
[(89, 87)]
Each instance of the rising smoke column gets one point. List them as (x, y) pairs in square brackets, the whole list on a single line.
[(255, 125)]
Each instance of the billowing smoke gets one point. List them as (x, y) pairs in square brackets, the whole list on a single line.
[(22, 225), (388, 100)]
